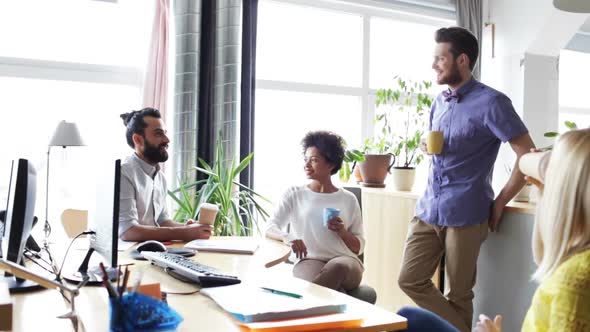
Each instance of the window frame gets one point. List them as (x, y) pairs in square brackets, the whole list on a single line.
[(367, 10)]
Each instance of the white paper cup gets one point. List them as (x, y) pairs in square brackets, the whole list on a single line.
[(207, 213), (534, 164)]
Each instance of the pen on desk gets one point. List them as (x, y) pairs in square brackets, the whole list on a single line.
[(279, 292)]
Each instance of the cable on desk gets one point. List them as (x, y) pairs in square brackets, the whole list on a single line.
[(177, 276), (37, 255), (58, 275), (34, 257), (182, 293)]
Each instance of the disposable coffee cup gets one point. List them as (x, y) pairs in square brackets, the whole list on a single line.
[(434, 142), (207, 213), (534, 164), (329, 214)]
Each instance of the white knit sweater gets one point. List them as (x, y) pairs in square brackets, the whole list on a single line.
[(303, 209)]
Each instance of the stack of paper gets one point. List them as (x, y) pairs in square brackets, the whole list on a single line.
[(315, 323), (237, 245), (248, 303)]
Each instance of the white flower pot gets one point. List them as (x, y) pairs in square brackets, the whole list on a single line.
[(403, 178)]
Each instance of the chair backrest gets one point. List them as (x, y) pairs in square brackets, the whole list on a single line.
[(74, 221)]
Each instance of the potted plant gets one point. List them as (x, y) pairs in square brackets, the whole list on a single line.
[(350, 157), (552, 134), (378, 158), (411, 102), (239, 206)]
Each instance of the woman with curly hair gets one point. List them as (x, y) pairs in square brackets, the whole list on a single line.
[(327, 253)]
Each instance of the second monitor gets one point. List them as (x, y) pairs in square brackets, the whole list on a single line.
[(104, 221)]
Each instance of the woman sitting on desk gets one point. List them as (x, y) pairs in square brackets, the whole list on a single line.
[(327, 251)]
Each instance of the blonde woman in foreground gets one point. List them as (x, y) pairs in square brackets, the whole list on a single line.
[(561, 243)]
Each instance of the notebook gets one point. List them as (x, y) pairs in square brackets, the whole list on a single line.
[(316, 323), (235, 245), (248, 303)]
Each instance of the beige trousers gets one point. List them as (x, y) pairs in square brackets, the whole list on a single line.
[(425, 245), (339, 273)]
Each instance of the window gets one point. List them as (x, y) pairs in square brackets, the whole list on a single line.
[(283, 118), (316, 51), (79, 61), (318, 67), (573, 99), (96, 32), (394, 51)]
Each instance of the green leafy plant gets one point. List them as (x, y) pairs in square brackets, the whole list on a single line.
[(569, 124), (350, 157), (412, 101), (551, 134), (239, 206)]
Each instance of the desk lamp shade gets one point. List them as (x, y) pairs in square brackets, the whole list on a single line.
[(574, 6), (66, 134)]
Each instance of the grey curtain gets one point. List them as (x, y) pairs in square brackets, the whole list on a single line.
[(187, 19), (250, 19), (206, 132), (469, 16), (214, 86)]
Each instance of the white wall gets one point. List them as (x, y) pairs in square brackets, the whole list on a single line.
[(528, 37)]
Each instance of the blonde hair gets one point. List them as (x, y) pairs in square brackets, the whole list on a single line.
[(562, 224)]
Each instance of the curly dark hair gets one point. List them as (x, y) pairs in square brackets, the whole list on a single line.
[(135, 123), (461, 40), (331, 146)]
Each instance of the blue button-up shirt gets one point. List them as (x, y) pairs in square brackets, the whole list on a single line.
[(474, 120)]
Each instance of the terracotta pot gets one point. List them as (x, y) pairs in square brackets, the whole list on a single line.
[(357, 174), (375, 168), (403, 178)]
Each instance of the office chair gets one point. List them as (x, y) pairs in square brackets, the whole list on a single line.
[(74, 221), (363, 292)]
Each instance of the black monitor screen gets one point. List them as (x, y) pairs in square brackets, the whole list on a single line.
[(19, 217), (104, 217)]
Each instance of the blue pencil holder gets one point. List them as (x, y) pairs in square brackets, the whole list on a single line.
[(134, 312)]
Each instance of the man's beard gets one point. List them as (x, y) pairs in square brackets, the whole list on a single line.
[(155, 153), (453, 78)]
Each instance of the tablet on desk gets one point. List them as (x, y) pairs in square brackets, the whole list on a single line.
[(238, 245)]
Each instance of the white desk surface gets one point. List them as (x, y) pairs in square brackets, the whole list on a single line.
[(38, 310)]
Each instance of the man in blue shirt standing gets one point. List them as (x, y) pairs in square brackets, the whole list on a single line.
[(453, 215)]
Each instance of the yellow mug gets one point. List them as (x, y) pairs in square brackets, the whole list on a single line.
[(434, 142)]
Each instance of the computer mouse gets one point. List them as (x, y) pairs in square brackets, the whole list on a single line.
[(151, 245)]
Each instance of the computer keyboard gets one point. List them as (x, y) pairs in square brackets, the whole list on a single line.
[(205, 275)]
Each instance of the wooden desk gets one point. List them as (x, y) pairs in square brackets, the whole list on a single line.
[(37, 311)]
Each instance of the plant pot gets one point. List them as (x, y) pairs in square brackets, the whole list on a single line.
[(375, 168), (357, 174), (403, 178), (524, 194)]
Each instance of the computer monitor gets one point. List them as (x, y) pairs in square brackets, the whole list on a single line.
[(20, 212), (104, 221)]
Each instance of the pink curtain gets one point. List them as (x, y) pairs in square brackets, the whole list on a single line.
[(156, 75)]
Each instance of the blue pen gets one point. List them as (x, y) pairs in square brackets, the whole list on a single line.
[(279, 292)]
